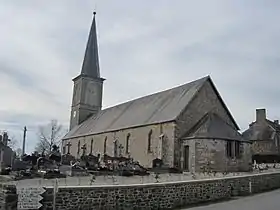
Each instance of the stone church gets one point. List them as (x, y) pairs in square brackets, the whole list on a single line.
[(188, 127)]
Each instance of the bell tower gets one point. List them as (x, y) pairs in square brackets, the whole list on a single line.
[(88, 86)]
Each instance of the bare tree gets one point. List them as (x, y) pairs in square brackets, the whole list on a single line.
[(18, 152), (49, 135), (13, 143)]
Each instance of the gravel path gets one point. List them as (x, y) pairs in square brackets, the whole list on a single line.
[(111, 180)]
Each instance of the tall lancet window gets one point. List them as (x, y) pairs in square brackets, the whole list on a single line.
[(91, 146), (161, 146), (116, 144), (105, 146), (150, 141), (127, 145), (79, 147), (64, 150)]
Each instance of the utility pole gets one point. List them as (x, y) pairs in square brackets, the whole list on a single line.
[(4, 137), (23, 141)]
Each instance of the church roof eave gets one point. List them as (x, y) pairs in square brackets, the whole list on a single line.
[(115, 130), (161, 107)]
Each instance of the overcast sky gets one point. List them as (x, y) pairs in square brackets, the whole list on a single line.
[(145, 46)]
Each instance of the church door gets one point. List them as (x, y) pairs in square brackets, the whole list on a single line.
[(186, 158)]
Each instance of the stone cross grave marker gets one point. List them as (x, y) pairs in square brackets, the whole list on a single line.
[(84, 148), (30, 197), (68, 147), (121, 147)]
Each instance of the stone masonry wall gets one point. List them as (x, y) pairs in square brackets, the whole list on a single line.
[(206, 100), (264, 147), (214, 151), (138, 144), (8, 197), (158, 195)]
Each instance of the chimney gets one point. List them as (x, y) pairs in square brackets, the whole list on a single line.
[(260, 115), (276, 122)]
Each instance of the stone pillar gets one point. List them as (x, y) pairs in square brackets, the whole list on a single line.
[(8, 197)]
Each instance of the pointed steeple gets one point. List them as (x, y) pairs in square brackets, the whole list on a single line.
[(90, 66)]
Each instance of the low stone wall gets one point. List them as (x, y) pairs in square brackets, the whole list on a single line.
[(159, 195), (147, 196), (8, 197)]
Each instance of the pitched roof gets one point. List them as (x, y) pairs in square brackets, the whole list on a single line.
[(263, 132), (211, 125), (91, 60), (160, 107), (274, 125), (156, 108)]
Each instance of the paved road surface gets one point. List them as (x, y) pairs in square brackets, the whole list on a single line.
[(264, 201)]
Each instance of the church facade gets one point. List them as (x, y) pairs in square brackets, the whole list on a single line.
[(188, 127)]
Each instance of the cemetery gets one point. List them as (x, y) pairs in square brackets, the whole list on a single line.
[(55, 165), (40, 178), (37, 169), (103, 169)]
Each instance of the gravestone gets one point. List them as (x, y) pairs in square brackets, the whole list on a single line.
[(66, 159), (157, 163), (68, 147)]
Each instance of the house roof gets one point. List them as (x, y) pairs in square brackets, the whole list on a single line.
[(211, 125), (160, 107), (265, 132), (274, 125)]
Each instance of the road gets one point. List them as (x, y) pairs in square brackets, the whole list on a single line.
[(263, 201)]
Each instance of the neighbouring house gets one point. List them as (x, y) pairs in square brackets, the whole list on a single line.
[(188, 127), (265, 137), (6, 153)]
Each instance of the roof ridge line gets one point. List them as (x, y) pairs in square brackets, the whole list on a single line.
[(155, 93)]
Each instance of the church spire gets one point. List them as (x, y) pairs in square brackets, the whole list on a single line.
[(91, 60)]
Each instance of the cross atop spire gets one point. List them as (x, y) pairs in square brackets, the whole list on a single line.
[(91, 60)]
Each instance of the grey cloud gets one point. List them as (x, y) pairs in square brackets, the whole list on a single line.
[(145, 46)]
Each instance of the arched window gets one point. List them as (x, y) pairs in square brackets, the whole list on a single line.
[(105, 145), (127, 143), (79, 147), (64, 150), (91, 146), (150, 141)]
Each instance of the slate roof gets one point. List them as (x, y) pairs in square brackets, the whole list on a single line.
[(211, 125), (156, 108), (160, 107), (273, 125), (266, 132), (90, 65)]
